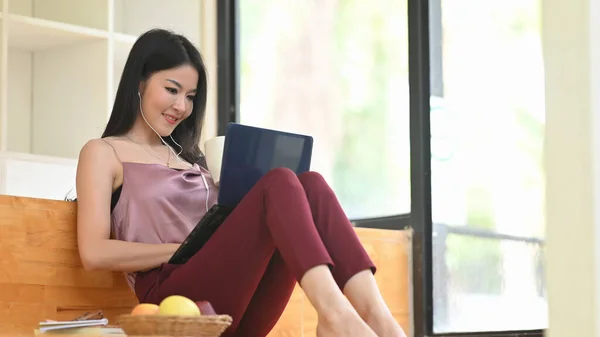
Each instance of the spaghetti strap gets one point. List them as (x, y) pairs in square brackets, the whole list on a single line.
[(114, 150)]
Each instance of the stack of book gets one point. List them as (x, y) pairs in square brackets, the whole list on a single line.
[(78, 327)]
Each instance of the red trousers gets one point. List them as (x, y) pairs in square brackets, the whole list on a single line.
[(284, 226)]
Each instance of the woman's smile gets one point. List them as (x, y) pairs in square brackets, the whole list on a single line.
[(170, 119)]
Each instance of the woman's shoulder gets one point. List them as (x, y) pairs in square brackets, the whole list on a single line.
[(98, 147), (99, 152)]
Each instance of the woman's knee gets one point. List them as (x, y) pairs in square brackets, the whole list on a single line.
[(281, 175), (309, 180), (312, 180)]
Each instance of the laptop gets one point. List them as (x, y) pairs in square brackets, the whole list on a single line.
[(248, 154)]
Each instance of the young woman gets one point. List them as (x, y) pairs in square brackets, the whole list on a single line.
[(143, 186)]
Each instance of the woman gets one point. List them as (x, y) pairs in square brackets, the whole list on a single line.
[(143, 186)]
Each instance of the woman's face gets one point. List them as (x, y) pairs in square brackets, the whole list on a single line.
[(168, 97)]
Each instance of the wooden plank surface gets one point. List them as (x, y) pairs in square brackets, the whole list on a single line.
[(41, 276)]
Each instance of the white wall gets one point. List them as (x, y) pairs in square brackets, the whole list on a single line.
[(572, 60)]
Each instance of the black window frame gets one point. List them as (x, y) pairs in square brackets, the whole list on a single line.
[(425, 78)]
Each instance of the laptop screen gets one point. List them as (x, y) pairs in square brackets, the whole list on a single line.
[(251, 152)]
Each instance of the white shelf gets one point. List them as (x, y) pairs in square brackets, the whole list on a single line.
[(133, 17), (69, 98), (125, 38), (85, 13), (33, 34), (60, 65)]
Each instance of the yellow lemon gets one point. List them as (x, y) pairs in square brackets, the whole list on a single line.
[(178, 305)]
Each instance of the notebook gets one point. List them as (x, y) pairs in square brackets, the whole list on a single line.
[(248, 154)]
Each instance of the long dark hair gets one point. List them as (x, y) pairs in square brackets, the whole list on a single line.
[(157, 50)]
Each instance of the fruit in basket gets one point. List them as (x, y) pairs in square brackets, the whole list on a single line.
[(178, 305), (206, 308), (145, 309)]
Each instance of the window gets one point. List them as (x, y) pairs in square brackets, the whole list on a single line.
[(487, 122), (424, 113), (484, 211), (337, 70)]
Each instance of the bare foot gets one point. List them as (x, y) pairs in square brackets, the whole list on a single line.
[(384, 324), (348, 325)]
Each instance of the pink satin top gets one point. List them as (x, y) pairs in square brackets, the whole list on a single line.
[(158, 204)]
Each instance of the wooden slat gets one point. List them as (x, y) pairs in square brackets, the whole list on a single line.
[(41, 276)]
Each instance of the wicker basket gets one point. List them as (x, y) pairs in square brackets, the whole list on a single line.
[(177, 326)]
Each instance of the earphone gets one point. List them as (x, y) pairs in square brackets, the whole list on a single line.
[(176, 154)]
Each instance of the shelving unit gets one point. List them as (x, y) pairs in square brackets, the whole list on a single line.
[(61, 62)]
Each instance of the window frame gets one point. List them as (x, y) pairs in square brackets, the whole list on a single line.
[(425, 77), (228, 69)]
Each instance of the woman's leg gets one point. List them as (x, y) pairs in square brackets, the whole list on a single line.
[(363, 293), (357, 283), (335, 229), (337, 234), (269, 299), (227, 271)]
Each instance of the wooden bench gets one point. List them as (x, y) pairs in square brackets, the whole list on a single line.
[(41, 276)]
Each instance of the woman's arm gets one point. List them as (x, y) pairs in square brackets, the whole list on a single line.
[(126, 256), (96, 172)]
